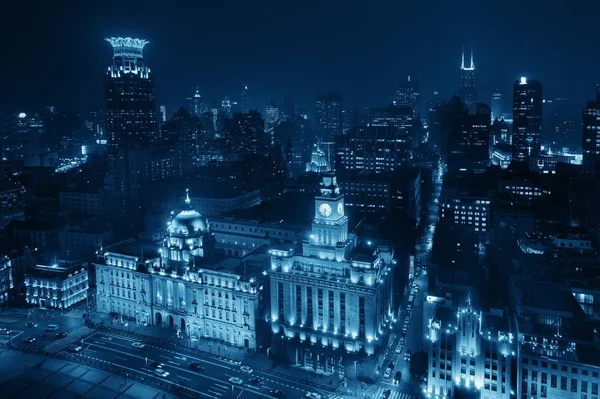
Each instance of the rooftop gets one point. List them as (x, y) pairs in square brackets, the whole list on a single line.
[(134, 247), (289, 208), (58, 271)]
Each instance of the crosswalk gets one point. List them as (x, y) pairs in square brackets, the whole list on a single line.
[(376, 395), (63, 343)]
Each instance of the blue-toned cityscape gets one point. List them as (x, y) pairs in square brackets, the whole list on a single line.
[(320, 246)]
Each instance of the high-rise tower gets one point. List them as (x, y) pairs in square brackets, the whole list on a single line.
[(591, 135), (496, 105), (468, 91), (130, 100), (527, 119), (407, 95), (245, 99)]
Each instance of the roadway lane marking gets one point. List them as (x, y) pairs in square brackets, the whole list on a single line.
[(185, 378), (176, 353), (222, 386), (215, 393), (175, 363), (122, 358), (161, 379), (165, 357)]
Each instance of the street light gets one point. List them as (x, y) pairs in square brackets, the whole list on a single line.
[(356, 377)]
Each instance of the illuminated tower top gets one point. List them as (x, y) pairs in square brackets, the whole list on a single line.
[(127, 47)]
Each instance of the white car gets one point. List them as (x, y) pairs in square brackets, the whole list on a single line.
[(399, 349), (388, 373), (246, 369), (161, 373), (313, 395), (138, 345), (76, 348), (236, 381)]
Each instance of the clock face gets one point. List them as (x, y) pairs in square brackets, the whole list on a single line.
[(340, 209), (325, 210)]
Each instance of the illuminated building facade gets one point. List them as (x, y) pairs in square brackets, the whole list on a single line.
[(468, 91), (527, 119), (57, 286), (591, 135), (130, 99), (6, 280), (407, 95), (470, 352), (466, 209), (183, 284), (496, 106), (331, 303), (377, 148)]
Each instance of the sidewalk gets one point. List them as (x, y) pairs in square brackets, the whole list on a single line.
[(168, 338), (26, 375)]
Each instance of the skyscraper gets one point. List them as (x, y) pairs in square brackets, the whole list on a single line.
[(249, 135), (469, 142), (245, 100), (130, 102), (272, 120), (468, 91), (328, 118), (407, 95), (591, 135), (496, 105), (527, 119)]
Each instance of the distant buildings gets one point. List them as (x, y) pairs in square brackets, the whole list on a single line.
[(469, 142), (60, 285), (496, 106), (245, 99), (467, 91), (591, 135), (331, 300), (376, 148), (527, 119), (328, 121), (249, 135), (408, 95)]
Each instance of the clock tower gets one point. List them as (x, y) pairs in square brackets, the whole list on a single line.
[(330, 224)]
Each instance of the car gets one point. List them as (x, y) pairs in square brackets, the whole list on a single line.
[(401, 340), (313, 395), (406, 319), (388, 373), (246, 369), (385, 394), (399, 349), (137, 345), (52, 327), (196, 366), (278, 393), (236, 381), (61, 335), (76, 349), (254, 380), (157, 365), (397, 377), (31, 325), (29, 340), (161, 373), (5, 331), (391, 364)]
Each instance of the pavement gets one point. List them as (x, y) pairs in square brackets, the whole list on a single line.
[(28, 375)]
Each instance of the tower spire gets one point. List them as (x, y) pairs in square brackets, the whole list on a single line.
[(187, 196), (462, 58), (472, 63)]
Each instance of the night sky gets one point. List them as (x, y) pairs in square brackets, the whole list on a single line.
[(54, 52)]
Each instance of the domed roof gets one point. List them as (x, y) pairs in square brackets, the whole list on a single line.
[(187, 221)]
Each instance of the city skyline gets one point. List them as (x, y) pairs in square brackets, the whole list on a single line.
[(318, 50)]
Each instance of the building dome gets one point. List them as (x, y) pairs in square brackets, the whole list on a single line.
[(187, 221)]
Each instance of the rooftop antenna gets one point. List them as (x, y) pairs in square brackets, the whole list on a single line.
[(462, 59), (472, 63)]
